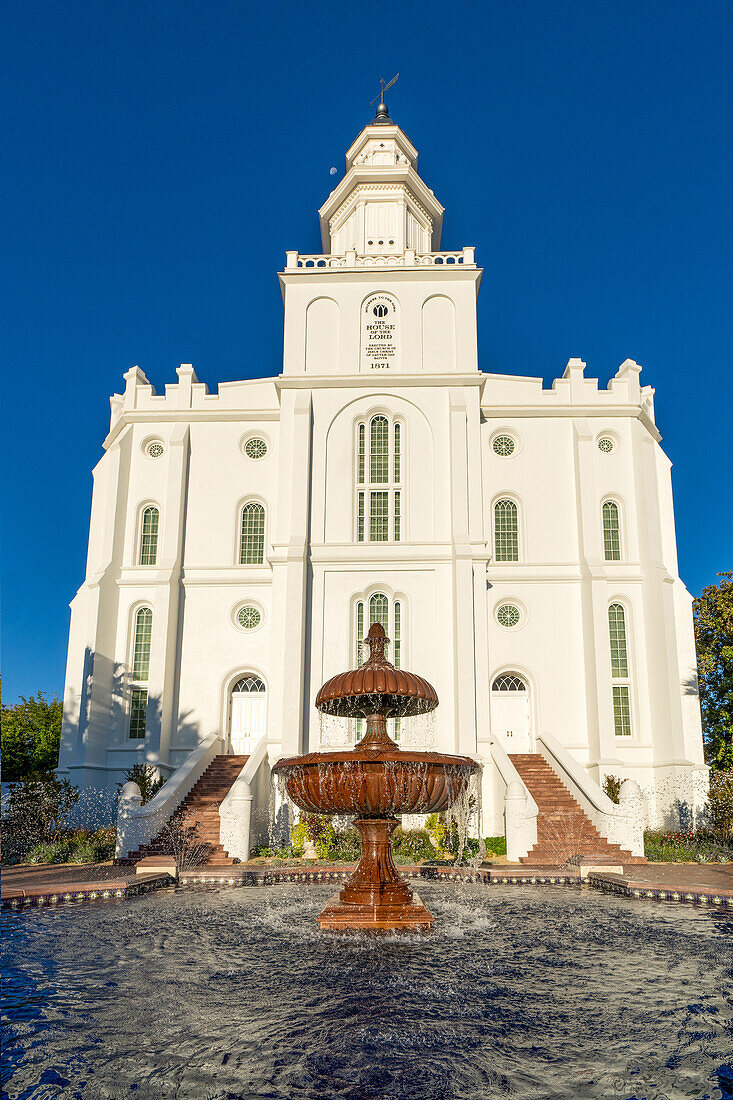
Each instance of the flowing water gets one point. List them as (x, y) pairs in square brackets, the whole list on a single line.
[(520, 992)]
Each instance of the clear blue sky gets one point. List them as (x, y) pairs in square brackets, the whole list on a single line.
[(161, 157)]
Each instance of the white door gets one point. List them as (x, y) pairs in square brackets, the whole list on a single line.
[(510, 713), (249, 706)]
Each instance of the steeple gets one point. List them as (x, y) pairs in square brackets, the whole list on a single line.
[(381, 207)]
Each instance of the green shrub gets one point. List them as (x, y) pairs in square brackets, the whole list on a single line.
[(720, 802), (346, 846), (412, 845), (299, 834), (700, 847), (54, 851), (259, 851), (148, 779), (495, 845), (36, 814), (612, 787)]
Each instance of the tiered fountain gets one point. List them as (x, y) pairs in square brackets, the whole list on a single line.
[(374, 781)]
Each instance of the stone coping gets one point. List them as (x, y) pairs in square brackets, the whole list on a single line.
[(698, 884)]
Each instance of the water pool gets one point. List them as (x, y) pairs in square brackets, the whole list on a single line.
[(522, 992)]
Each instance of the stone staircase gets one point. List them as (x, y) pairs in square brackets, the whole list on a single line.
[(200, 809), (563, 827)]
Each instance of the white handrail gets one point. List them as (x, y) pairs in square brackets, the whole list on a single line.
[(520, 808), (138, 824), (235, 810), (620, 823)]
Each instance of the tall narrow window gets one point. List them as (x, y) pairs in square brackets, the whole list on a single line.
[(506, 531), (388, 614), (149, 537), (140, 672), (621, 687), (362, 453), (252, 536), (379, 480), (611, 531)]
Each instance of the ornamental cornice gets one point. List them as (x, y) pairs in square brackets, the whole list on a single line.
[(397, 188)]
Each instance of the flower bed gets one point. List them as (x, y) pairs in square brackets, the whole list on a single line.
[(701, 847)]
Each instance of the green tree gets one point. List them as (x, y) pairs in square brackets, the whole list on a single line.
[(713, 616), (31, 734), (147, 778)]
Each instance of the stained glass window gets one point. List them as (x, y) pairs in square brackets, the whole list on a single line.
[(149, 537), (140, 672), (141, 647), (379, 510), (506, 531), (619, 670), (617, 635), (252, 537), (611, 531)]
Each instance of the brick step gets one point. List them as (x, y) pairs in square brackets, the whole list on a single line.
[(563, 827), (200, 810)]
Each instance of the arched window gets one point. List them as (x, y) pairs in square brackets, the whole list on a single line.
[(252, 535), (143, 633), (506, 531), (509, 681), (149, 537), (379, 480), (379, 609), (611, 531), (621, 686)]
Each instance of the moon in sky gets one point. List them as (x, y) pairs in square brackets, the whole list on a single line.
[(334, 171)]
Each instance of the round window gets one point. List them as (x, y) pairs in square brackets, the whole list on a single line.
[(606, 444), (504, 445), (155, 449), (508, 614), (249, 618), (255, 448)]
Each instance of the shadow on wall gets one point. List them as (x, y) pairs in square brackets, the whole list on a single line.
[(103, 710)]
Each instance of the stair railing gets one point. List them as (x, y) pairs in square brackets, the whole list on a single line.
[(250, 789), (621, 823), (138, 824), (520, 808)]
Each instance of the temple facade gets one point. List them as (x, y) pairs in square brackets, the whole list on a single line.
[(517, 543)]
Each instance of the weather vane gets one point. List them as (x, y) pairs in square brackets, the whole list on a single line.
[(382, 108)]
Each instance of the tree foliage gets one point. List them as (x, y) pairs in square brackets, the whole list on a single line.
[(31, 735), (37, 812), (713, 617), (147, 778)]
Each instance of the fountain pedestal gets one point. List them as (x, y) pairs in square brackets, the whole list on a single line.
[(375, 897)]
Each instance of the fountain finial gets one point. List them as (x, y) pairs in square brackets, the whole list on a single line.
[(377, 641)]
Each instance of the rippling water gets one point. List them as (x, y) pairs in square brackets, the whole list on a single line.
[(520, 992)]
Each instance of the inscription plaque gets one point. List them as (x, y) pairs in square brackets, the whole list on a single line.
[(379, 333)]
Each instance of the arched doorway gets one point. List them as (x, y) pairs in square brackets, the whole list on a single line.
[(248, 712), (511, 721)]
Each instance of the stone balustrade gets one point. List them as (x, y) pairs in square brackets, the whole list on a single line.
[(295, 261)]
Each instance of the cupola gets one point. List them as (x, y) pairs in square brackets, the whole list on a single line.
[(381, 207)]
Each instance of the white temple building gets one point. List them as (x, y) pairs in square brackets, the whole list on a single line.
[(517, 543)]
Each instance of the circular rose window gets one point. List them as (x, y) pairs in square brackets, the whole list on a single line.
[(255, 448), (508, 614), (249, 618)]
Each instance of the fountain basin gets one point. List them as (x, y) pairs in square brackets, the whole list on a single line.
[(393, 781)]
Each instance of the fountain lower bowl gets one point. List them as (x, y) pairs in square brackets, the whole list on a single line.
[(392, 781)]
